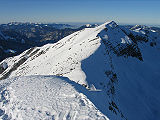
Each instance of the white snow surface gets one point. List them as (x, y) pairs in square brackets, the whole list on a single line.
[(45, 98), (4, 65), (119, 87)]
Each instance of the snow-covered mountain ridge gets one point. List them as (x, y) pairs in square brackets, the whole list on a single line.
[(73, 48), (47, 98), (121, 64)]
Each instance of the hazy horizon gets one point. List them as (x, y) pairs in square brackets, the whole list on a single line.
[(81, 23)]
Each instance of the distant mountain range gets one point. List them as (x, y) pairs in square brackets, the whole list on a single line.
[(16, 37)]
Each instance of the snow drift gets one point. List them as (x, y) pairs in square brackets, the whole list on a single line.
[(45, 97)]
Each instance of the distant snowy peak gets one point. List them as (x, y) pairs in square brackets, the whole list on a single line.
[(91, 25), (142, 28), (88, 25), (112, 24), (141, 33)]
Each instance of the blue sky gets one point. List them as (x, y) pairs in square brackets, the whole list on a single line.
[(121, 11)]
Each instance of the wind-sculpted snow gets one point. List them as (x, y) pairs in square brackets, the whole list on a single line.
[(120, 66), (45, 97)]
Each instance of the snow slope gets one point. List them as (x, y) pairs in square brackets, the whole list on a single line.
[(121, 66), (65, 54), (47, 98), (64, 57)]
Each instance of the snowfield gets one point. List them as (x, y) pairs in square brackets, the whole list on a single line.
[(47, 98), (106, 72)]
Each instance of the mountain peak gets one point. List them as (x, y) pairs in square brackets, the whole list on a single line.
[(111, 24)]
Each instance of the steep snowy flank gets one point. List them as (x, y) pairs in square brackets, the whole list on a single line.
[(121, 66), (45, 97)]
